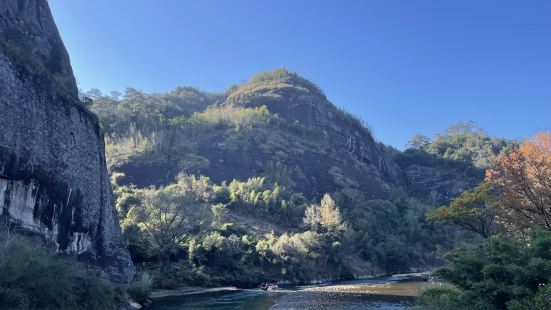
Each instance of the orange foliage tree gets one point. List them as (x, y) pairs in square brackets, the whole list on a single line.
[(523, 177)]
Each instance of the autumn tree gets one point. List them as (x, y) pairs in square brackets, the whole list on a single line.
[(474, 211), (523, 177)]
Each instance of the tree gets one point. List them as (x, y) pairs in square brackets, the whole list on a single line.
[(312, 217), (324, 218), (418, 142), (501, 273), (465, 128), (166, 215), (523, 177), (330, 216), (474, 211)]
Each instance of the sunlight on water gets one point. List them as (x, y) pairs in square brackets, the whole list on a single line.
[(389, 293)]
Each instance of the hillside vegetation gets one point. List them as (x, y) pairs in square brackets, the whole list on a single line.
[(269, 180), (511, 211)]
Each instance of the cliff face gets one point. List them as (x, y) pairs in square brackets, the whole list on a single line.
[(308, 145), (53, 177), (330, 149)]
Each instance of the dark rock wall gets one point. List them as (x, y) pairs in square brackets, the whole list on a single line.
[(352, 157), (53, 177)]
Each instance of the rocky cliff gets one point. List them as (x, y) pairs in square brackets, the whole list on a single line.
[(53, 176), (301, 140), (327, 148)]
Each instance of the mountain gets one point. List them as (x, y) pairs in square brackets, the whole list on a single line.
[(277, 125), (263, 154), (53, 175)]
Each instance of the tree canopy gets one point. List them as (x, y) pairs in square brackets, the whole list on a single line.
[(523, 177), (474, 211)]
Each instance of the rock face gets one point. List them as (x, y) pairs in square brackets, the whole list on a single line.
[(329, 148), (440, 184), (312, 146), (53, 176), (309, 145)]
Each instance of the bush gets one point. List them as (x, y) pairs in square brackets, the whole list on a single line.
[(447, 297), (543, 298), (140, 288), (33, 277), (500, 274)]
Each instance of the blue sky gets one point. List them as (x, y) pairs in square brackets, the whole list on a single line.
[(404, 66)]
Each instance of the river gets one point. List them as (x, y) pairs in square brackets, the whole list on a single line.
[(383, 293)]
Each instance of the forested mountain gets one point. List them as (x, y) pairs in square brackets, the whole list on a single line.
[(277, 125), (280, 126), (106, 198), (274, 181)]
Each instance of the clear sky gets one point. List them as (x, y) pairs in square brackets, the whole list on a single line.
[(404, 66)]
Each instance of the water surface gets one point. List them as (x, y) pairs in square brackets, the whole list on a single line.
[(384, 293)]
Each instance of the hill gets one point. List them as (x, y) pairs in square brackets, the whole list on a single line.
[(276, 125), (280, 126), (254, 162)]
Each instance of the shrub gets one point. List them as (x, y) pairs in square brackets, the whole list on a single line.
[(439, 298), (140, 288), (33, 277), (500, 274)]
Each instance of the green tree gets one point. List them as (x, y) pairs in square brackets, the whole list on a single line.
[(166, 215), (418, 142), (474, 211), (501, 273)]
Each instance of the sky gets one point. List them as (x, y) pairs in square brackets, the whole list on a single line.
[(403, 66)]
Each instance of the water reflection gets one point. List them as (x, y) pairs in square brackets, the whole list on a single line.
[(237, 300)]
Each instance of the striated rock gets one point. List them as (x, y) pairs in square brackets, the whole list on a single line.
[(53, 176), (439, 184), (344, 153)]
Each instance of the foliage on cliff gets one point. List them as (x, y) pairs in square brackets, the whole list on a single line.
[(462, 142)]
